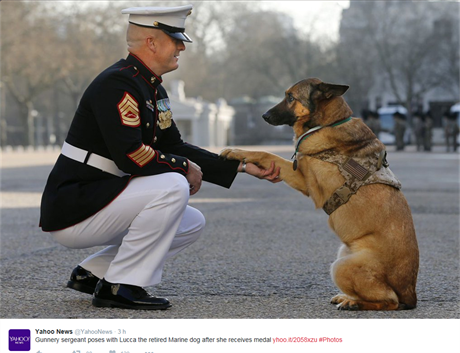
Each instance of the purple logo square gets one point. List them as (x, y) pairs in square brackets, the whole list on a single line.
[(19, 340)]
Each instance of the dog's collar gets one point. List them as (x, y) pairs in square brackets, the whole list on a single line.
[(309, 133)]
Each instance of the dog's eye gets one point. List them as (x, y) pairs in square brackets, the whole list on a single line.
[(290, 98)]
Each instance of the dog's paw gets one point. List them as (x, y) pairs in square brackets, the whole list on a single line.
[(339, 298), (232, 153), (344, 302), (348, 304)]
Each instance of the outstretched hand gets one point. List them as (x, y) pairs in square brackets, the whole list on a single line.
[(272, 174)]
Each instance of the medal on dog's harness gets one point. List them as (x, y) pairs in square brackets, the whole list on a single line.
[(309, 133)]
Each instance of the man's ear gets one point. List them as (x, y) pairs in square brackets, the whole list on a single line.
[(330, 90), (151, 44)]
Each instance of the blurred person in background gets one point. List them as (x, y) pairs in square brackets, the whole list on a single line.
[(373, 122), (428, 131), (451, 131), (419, 129), (399, 130)]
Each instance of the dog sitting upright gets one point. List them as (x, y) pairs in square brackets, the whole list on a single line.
[(342, 166)]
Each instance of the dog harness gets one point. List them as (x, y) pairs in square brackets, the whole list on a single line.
[(357, 171)]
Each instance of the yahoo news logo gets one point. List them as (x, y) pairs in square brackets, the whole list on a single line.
[(19, 340)]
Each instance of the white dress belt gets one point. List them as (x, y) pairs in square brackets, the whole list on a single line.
[(94, 160)]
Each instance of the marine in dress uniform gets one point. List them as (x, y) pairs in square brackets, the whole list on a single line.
[(419, 129), (122, 178), (451, 130), (374, 123), (399, 130)]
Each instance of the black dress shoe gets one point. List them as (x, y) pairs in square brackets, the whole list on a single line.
[(126, 296), (82, 280)]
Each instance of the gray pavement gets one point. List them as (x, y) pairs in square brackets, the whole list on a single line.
[(265, 253)]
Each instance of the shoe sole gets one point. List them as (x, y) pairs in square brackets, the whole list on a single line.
[(103, 303), (80, 287)]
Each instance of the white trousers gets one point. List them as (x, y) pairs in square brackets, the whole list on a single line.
[(145, 225)]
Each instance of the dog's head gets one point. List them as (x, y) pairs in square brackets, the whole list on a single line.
[(304, 103)]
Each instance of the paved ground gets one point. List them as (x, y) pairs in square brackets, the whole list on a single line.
[(265, 253)]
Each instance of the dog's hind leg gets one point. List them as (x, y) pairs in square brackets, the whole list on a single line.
[(344, 250), (360, 277)]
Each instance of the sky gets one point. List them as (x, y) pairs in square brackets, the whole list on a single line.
[(322, 16)]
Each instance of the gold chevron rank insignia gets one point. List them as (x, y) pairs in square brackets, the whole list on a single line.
[(142, 156), (129, 111)]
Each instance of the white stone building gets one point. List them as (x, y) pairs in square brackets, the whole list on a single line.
[(201, 123)]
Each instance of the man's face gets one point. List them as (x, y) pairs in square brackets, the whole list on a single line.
[(167, 55)]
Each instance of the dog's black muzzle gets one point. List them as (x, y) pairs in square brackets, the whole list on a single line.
[(278, 119), (266, 117)]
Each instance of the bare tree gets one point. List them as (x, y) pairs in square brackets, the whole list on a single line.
[(204, 66), (58, 50), (241, 50), (447, 32), (407, 45), (87, 47), (28, 43), (355, 58)]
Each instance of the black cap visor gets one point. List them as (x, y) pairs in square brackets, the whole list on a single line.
[(175, 32), (179, 35)]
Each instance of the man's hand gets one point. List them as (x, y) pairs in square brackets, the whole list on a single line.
[(272, 174), (194, 177)]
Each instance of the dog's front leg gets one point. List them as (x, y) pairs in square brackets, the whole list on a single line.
[(264, 160)]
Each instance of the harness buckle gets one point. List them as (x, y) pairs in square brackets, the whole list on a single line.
[(344, 193)]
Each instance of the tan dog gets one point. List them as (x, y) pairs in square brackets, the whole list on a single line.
[(341, 165)]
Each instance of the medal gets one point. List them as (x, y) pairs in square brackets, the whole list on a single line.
[(164, 119), (150, 105), (164, 113)]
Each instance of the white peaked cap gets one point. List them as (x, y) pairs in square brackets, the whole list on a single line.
[(170, 20)]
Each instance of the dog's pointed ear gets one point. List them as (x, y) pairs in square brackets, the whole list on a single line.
[(330, 90)]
